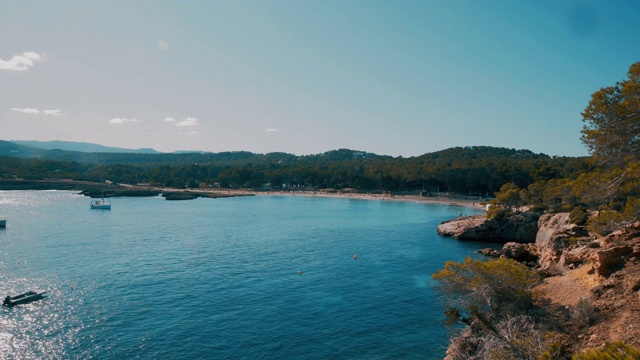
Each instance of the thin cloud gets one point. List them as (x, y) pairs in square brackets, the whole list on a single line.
[(163, 45), (118, 121), (188, 133), (169, 119), (189, 121), (52, 112), (27, 110), (21, 62), (272, 130)]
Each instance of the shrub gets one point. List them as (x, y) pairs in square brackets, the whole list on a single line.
[(579, 215), (500, 287), (617, 350), (496, 212), (584, 312), (566, 207), (606, 222), (514, 338)]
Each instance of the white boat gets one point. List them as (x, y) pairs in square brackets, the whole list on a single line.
[(3, 224), (102, 204)]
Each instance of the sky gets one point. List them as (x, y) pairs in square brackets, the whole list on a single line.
[(399, 78)]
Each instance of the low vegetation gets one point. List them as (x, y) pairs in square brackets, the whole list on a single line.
[(613, 351), (494, 299)]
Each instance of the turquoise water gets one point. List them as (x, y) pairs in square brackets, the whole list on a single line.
[(218, 278)]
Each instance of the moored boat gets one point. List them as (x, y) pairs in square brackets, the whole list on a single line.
[(29, 296), (101, 204)]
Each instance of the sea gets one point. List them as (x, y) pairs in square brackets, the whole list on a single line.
[(260, 277)]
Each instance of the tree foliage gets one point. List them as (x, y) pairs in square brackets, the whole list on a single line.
[(612, 121), (495, 296), (471, 170), (498, 287), (578, 215), (508, 197)]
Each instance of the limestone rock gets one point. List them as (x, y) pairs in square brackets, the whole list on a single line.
[(576, 256), (521, 228), (490, 252), (524, 253), (626, 234), (608, 260), (461, 227), (551, 240)]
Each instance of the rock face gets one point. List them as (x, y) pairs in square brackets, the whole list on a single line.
[(461, 227), (554, 232), (524, 253), (593, 288), (520, 228), (617, 249)]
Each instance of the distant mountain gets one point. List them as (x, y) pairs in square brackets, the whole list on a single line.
[(80, 147), (8, 148), (189, 152)]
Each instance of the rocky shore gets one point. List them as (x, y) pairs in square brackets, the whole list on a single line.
[(189, 195), (521, 228), (591, 286), (94, 189)]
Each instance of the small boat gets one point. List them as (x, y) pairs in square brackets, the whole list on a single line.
[(101, 204), (29, 296), (3, 224)]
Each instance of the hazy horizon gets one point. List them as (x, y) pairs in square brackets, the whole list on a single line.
[(394, 78), (263, 153)]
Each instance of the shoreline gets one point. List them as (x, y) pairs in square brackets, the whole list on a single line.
[(85, 188), (446, 201)]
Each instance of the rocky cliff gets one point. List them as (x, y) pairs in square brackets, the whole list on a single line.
[(595, 293), (591, 290), (520, 228)]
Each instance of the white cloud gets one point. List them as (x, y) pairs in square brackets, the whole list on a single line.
[(21, 62), (188, 133), (122, 121), (169, 119), (272, 130), (37, 111), (189, 121), (27, 110), (163, 45)]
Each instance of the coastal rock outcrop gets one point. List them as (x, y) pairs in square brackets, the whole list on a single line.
[(618, 248), (592, 288), (524, 253), (554, 233), (190, 195), (520, 228)]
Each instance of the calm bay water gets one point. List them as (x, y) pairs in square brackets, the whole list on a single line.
[(218, 278)]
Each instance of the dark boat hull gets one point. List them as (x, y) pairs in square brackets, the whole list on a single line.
[(25, 298)]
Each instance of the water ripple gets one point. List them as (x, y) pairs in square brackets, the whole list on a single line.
[(218, 279)]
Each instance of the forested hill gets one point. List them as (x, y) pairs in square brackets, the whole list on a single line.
[(478, 169), (21, 150)]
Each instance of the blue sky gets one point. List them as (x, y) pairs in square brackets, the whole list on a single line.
[(304, 77)]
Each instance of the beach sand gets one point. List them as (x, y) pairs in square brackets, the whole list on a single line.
[(442, 200)]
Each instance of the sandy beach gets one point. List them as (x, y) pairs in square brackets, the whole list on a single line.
[(442, 200)]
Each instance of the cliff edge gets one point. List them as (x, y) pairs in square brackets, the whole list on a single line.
[(591, 286), (520, 228)]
